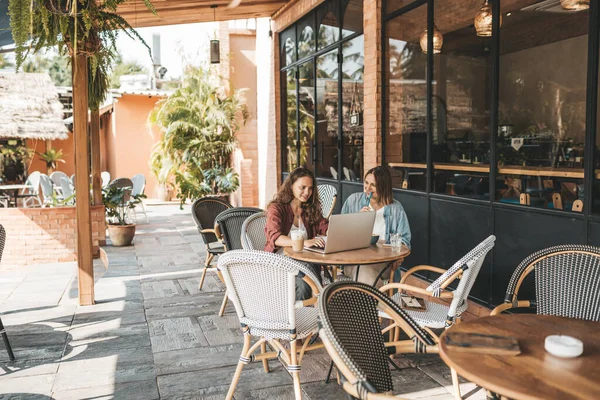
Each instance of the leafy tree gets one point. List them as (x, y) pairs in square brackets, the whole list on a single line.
[(121, 68), (199, 122), (58, 67), (5, 62)]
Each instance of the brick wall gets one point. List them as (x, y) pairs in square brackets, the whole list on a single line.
[(46, 235)]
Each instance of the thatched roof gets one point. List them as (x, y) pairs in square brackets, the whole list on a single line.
[(29, 107)]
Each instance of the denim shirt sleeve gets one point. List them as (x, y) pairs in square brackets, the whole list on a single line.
[(352, 203), (396, 221)]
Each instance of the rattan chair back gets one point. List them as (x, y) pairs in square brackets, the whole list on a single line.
[(204, 212), (253, 232), (327, 197), (262, 287), (567, 281), (230, 225), (350, 328)]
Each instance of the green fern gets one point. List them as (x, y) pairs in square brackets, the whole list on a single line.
[(92, 30)]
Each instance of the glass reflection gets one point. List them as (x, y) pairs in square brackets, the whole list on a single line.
[(329, 30), (327, 115), (353, 64), (291, 120), (306, 127)]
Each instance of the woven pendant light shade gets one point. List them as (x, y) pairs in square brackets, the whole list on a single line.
[(215, 51), (483, 20), (438, 41)]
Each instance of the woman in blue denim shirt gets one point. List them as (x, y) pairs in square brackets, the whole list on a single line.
[(390, 217)]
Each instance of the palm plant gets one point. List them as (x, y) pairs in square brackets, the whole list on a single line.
[(51, 158), (199, 122)]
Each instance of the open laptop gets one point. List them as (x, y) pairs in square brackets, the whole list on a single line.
[(347, 232)]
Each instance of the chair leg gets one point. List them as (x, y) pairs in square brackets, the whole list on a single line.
[(455, 384), (144, 211), (296, 373), (263, 349), (223, 305), (11, 355), (202, 278), (240, 366)]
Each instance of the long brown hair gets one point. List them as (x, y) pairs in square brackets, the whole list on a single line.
[(383, 183), (285, 195)]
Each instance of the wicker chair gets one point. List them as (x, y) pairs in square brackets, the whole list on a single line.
[(204, 212), (228, 228), (466, 269), (2, 331), (262, 288), (253, 232), (352, 335), (328, 198), (567, 282)]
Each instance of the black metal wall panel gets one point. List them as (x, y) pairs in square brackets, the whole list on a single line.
[(523, 232), (416, 208), (456, 228), (594, 233)]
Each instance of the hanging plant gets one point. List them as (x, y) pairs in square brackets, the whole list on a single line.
[(74, 27)]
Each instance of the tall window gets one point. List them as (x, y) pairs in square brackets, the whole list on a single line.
[(406, 99), (542, 107), (322, 58)]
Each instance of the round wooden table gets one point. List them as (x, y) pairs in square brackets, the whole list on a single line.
[(374, 254), (535, 373)]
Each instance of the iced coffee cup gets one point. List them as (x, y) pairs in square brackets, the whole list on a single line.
[(297, 242)]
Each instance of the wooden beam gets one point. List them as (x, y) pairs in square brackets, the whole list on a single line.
[(85, 266), (95, 133)]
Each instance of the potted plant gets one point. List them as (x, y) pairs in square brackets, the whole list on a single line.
[(199, 122), (163, 169), (51, 158), (118, 201)]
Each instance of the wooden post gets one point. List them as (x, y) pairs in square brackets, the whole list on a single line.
[(85, 266), (95, 133)]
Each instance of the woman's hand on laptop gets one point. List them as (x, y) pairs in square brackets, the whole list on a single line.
[(316, 242)]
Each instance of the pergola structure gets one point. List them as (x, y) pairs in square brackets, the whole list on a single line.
[(169, 12)]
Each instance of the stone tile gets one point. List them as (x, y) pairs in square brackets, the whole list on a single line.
[(176, 307), (121, 391), (26, 387), (159, 289), (22, 368), (315, 366), (221, 330), (123, 319), (410, 380), (109, 344), (322, 390), (270, 393), (106, 371), (107, 328), (175, 334), (36, 355), (199, 358), (217, 380)]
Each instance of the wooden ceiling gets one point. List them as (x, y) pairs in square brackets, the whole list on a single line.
[(171, 12)]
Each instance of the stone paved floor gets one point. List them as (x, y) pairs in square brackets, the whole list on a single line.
[(152, 334)]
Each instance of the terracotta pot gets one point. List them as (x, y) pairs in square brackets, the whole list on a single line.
[(163, 193), (121, 235)]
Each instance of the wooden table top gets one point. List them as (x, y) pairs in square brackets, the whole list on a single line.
[(374, 254), (535, 373)]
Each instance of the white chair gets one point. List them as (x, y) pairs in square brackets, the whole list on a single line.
[(439, 315), (334, 173), (139, 185), (47, 190), (56, 176), (262, 288), (328, 198), (253, 232), (4, 201), (67, 190), (31, 195), (346, 173), (105, 176)]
